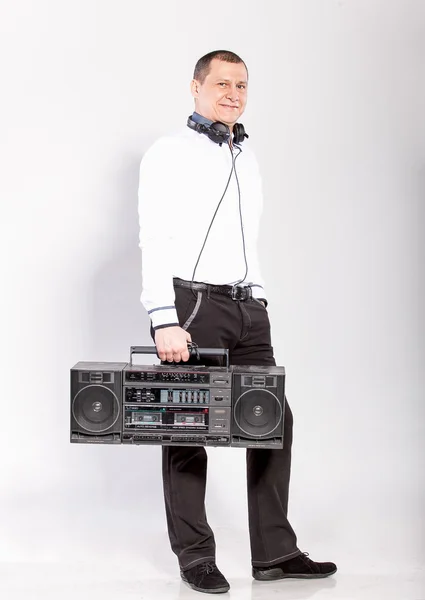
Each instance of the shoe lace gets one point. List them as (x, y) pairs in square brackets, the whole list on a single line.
[(207, 567), (304, 557)]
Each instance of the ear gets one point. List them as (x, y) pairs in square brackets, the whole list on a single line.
[(194, 88)]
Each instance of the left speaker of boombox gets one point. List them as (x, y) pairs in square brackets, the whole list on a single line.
[(96, 402)]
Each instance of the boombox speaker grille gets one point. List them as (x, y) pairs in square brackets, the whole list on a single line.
[(258, 412), (96, 408)]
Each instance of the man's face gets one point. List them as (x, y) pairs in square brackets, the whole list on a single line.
[(222, 96)]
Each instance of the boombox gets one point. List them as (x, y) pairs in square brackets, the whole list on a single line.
[(177, 404)]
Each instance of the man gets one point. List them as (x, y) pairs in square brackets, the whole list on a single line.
[(200, 203)]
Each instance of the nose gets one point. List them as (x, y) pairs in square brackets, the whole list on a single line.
[(233, 93)]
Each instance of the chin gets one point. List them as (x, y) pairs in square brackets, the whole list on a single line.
[(227, 118), (229, 122)]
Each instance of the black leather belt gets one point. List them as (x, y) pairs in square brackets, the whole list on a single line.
[(235, 292)]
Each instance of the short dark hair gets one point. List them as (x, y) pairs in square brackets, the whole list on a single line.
[(202, 67)]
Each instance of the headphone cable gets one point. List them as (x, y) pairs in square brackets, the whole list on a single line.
[(241, 222), (212, 220), (215, 213)]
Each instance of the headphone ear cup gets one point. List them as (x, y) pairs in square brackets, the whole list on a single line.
[(193, 125), (218, 132), (238, 133), (201, 128)]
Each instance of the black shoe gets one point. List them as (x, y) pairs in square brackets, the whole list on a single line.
[(300, 567), (206, 578)]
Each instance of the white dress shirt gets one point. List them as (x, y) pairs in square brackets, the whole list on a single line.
[(182, 179)]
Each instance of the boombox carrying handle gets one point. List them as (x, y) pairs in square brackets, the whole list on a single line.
[(192, 347)]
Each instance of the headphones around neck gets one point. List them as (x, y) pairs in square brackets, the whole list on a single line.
[(219, 132)]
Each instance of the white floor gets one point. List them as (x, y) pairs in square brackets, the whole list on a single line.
[(115, 582), (52, 558)]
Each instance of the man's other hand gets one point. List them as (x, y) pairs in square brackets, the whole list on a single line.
[(171, 343)]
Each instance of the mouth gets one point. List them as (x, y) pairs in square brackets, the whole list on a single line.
[(229, 106)]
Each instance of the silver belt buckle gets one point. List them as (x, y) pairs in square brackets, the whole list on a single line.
[(234, 292), (240, 293)]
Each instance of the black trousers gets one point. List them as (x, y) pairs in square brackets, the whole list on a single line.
[(215, 320)]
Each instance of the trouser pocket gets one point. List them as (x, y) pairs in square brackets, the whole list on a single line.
[(192, 304)]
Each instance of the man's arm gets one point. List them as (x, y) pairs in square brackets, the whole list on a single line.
[(160, 182)]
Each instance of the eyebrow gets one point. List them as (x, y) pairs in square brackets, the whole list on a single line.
[(229, 80)]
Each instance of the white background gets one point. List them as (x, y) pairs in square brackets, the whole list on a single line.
[(336, 116)]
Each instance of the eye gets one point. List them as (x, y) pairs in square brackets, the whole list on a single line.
[(242, 86), (222, 83)]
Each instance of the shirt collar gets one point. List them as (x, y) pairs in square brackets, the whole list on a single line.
[(200, 119)]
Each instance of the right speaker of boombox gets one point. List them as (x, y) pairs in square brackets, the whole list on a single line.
[(258, 404)]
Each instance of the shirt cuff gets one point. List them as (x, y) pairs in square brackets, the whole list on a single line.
[(163, 316)]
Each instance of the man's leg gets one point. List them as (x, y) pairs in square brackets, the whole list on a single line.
[(268, 473), (274, 550), (184, 473), (268, 470), (184, 468)]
